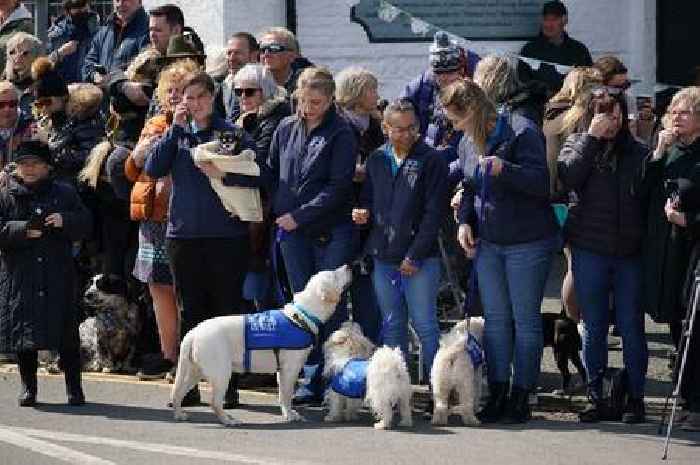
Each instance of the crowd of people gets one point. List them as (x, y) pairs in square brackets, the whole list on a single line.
[(97, 132)]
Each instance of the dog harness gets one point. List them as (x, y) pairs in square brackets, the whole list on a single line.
[(474, 351), (351, 381), (290, 328)]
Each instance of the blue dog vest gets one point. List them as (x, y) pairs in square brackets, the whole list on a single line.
[(351, 381), (273, 330)]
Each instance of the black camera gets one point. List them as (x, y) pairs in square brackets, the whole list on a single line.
[(673, 193), (37, 220)]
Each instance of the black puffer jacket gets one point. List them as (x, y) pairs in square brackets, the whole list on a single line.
[(37, 308), (70, 142), (609, 217)]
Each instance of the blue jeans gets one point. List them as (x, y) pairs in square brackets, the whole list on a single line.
[(303, 258), (594, 277), (511, 285), (412, 297)]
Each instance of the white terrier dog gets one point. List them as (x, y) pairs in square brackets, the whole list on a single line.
[(455, 370), (346, 350), (388, 385), (217, 346)]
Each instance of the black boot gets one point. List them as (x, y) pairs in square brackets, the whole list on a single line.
[(518, 407), (28, 364), (73, 376), (634, 412), (495, 407), (593, 413), (231, 397)]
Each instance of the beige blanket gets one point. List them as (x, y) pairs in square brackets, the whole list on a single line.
[(243, 202)]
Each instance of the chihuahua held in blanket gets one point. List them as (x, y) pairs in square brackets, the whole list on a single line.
[(274, 341), (458, 367), (382, 379)]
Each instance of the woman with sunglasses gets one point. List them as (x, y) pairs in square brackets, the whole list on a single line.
[(15, 126), (263, 105)]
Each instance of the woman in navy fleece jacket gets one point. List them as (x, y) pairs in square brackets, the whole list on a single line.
[(405, 196), (312, 162), (506, 221)]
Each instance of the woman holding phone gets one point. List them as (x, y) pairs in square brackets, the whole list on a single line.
[(605, 229)]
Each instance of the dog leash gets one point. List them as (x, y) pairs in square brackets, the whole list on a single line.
[(282, 292), (473, 279)]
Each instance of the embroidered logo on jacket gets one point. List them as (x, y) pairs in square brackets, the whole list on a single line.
[(411, 169)]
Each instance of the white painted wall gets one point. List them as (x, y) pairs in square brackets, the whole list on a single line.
[(626, 28)]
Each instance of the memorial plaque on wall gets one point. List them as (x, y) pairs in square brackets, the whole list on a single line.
[(417, 20)]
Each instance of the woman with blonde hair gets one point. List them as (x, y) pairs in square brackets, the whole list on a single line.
[(312, 163), (149, 206), (672, 178), (499, 76), (507, 224), (357, 98), (564, 114)]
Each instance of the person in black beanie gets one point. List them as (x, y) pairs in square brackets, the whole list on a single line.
[(40, 218), (69, 119)]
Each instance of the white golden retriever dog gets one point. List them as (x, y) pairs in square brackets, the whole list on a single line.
[(345, 345), (217, 346), (388, 385), (454, 370)]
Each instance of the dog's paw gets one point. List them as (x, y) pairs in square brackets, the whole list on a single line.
[(332, 418), (351, 416), (406, 422), (180, 415), (470, 420), (382, 425), (108, 370)]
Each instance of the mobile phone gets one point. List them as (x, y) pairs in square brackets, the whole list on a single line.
[(37, 219)]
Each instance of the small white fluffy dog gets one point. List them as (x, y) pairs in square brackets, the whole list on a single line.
[(453, 370), (343, 345), (388, 384), (216, 347)]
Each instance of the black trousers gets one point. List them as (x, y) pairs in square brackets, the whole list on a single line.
[(208, 276), (27, 362)]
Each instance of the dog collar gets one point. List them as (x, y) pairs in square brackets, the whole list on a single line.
[(308, 315)]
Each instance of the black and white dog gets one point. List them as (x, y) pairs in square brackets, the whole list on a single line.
[(108, 339)]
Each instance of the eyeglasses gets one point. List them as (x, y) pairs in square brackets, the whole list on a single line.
[(273, 48), (8, 104), (401, 130), (250, 92)]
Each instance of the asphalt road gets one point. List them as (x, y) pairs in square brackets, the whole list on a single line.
[(126, 422)]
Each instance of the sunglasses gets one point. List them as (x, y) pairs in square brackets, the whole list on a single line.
[(273, 48), (247, 92), (8, 104)]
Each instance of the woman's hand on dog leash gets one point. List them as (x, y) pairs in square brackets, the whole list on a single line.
[(287, 222)]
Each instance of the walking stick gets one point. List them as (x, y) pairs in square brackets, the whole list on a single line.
[(683, 346)]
